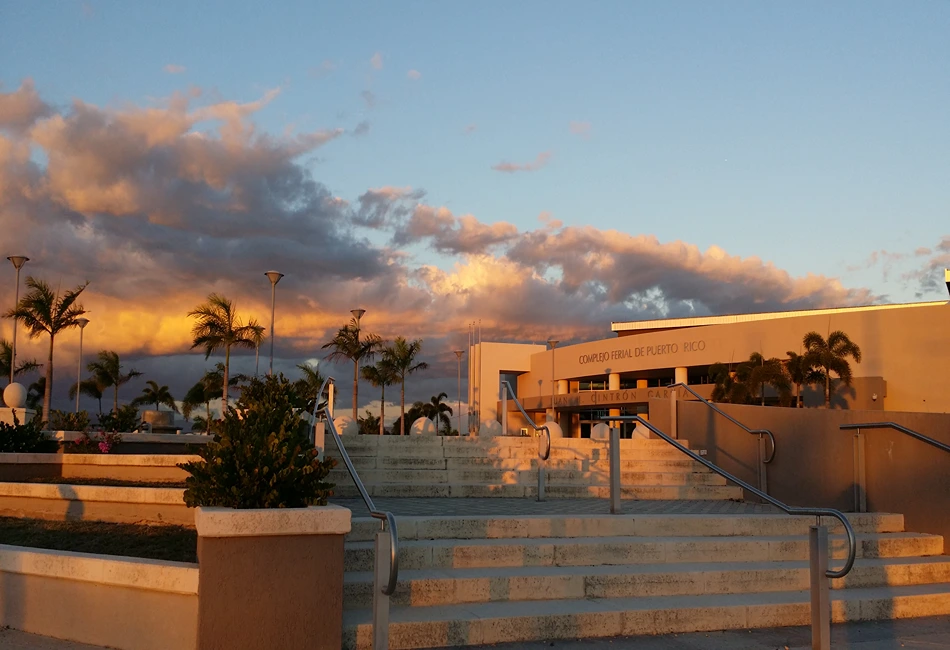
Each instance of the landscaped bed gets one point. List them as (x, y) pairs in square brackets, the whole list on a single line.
[(174, 543)]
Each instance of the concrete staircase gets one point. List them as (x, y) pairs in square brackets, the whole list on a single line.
[(398, 466), (487, 579)]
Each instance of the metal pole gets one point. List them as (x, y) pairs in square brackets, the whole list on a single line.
[(504, 411), (820, 595), (18, 262), (615, 494), (381, 600), (274, 277), (82, 328), (541, 467), (357, 315), (860, 474), (458, 355)]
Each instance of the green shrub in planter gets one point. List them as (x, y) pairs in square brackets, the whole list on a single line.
[(261, 456), (64, 421), (124, 420), (25, 438)]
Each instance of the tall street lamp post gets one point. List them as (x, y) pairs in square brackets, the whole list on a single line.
[(82, 322), (357, 315), (18, 262), (553, 343), (274, 277), (458, 355)]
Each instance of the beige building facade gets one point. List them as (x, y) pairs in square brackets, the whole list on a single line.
[(905, 353)]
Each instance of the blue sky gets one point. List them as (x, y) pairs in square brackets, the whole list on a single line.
[(758, 127), (727, 144)]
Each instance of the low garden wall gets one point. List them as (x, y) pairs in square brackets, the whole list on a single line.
[(121, 467), (95, 503), (145, 443), (127, 603)]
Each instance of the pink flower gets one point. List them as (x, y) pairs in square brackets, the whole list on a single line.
[(104, 447)]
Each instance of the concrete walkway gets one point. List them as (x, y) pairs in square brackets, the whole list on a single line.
[(922, 633)]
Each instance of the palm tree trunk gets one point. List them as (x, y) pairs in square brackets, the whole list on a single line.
[(402, 407), (382, 411), (827, 388), (356, 377), (227, 367), (48, 393)]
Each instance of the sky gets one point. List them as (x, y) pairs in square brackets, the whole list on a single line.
[(543, 167)]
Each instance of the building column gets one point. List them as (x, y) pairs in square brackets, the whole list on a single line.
[(680, 376), (643, 410), (562, 387)]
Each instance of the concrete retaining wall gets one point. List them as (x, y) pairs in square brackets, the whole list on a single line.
[(125, 467), (125, 603), (94, 502), (145, 443)]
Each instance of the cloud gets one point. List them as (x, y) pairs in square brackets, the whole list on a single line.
[(362, 128), (171, 68), (452, 235), (369, 98), (377, 61), (326, 67), (580, 128), (184, 197), (414, 75), (470, 128), (22, 107), (510, 168), (929, 277), (923, 250)]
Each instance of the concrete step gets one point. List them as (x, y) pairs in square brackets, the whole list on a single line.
[(601, 551), (524, 477), (430, 587), (580, 465), (496, 622), (554, 491), (566, 526)]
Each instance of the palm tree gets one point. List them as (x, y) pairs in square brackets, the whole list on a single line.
[(347, 344), (416, 411), (438, 411), (380, 376), (802, 371), (308, 387), (401, 357), (44, 311), (35, 393), (767, 372), (218, 327), (107, 371), (258, 338), (831, 356), (6, 358), (206, 389), (157, 395), (90, 388), (729, 386)]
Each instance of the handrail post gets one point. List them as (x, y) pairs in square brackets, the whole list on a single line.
[(615, 492), (820, 583), (380, 599), (860, 474), (541, 464), (504, 410), (673, 429), (763, 470)]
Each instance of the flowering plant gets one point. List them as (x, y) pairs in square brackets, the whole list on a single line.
[(97, 443)]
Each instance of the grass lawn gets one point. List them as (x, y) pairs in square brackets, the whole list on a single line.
[(175, 543)]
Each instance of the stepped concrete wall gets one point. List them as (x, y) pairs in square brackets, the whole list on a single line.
[(814, 462)]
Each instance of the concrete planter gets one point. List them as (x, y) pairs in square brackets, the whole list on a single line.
[(271, 578)]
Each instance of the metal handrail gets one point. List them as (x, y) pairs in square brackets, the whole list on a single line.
[(530, 421), (736, 422), (814, 512), (902, 429), (383, 515)]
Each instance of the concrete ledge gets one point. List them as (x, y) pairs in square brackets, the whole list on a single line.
[(231, 522), (92, 493), (95, 503), (173, 438), (130, 460), (103, 570), (124, 603)]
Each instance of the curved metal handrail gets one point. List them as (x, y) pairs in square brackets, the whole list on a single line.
[(390, 520), (813, 512), (902, 429), (736, 422), (530, 421)]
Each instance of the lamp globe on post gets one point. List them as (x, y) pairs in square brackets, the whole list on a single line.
[(274, 277), (18, 262)]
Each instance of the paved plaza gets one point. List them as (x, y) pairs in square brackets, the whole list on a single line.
[(922, 633), (434, 507)]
